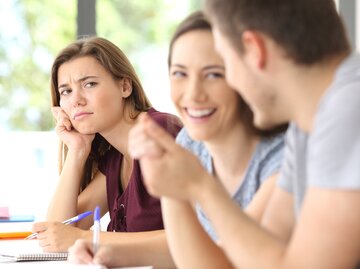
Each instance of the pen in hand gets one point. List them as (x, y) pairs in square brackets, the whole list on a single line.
[(66, 222), (96, 230)]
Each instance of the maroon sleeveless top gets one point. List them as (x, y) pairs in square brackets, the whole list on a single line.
[(133, 209)]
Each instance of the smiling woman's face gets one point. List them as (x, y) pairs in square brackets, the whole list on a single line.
[(206, 104)]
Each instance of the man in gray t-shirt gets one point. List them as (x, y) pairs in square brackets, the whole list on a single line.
[(329, 157)]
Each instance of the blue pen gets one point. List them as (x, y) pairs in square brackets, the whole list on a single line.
[(67, 222), (96, 230)]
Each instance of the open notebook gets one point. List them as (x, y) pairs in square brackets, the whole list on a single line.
[(27, 250)]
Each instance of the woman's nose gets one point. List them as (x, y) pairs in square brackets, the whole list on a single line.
[(195, 90), (77, 98)]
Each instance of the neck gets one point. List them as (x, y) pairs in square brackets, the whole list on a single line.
[(310, 83), (117, 136), (231, 155)]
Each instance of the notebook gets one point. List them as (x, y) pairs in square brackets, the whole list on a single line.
[(21, 257), (27, 250)]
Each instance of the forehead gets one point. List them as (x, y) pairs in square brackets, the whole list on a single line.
[(194, 47), (80, 67)]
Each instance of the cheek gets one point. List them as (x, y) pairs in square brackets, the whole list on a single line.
[(175, 92), (63, 104)]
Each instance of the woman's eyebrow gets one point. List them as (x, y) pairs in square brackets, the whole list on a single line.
[(77, 81), (178, 65), (214, 67)]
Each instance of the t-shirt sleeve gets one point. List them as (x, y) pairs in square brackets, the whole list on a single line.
[(334, 147), (273, 156), (286, 176)]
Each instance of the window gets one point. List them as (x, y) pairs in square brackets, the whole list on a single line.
[(39, 30)]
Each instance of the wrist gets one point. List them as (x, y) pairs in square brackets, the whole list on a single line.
[(77, 156), (87, 235), (201, 188)]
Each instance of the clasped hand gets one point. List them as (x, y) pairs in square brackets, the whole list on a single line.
[(167, 168)]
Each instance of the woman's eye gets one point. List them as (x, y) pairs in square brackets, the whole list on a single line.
[(178, 74), (65, 92), (215, 75), (90, 84)]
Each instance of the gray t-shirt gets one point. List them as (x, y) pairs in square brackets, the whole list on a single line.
[(330, 156), (265, 162)]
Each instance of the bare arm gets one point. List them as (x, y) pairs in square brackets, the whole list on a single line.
[(279, 215), (190, 245), (320, 240), (262, 196), (66, 202), (327, 230), (94, 195)]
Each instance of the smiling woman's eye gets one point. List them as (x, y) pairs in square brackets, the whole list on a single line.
[(215, 75), (178, 74)]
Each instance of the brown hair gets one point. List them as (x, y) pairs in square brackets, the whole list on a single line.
[(198, 21), (309, 31), (118, 65)]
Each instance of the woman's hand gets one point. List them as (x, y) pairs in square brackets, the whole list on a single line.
[(68, 135), (56, 236), (82, 253)]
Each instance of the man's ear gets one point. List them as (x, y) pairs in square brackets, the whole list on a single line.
[(126, 88), (254, 47)]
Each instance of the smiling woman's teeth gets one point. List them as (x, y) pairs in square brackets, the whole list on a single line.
[(198, 113)]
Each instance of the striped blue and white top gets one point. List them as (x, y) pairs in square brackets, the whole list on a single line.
[(265, 162)]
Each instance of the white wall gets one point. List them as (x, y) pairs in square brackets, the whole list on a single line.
[(28, 162)]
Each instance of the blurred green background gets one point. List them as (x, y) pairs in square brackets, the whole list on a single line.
[(32, 32)]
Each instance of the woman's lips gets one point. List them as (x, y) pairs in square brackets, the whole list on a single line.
[(81, 115)]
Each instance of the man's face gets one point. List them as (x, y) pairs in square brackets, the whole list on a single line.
[(250, 81)]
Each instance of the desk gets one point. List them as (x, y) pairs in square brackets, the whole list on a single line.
[(32, 246)]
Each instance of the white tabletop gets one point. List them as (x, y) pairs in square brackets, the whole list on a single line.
[(31, 246)]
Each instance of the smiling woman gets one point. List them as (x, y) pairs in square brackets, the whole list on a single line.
[(97, 98), (219, 131)]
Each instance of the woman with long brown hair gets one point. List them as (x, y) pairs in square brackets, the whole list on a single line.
[(97, 98)]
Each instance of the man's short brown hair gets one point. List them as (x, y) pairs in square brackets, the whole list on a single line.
[(308, 31)]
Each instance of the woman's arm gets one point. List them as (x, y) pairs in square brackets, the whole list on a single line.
[(65, 204), (261, 198), (55, 236), (189, 244)]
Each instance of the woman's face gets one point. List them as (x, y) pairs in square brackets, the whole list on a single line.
[(89, 95), (206, 104)]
